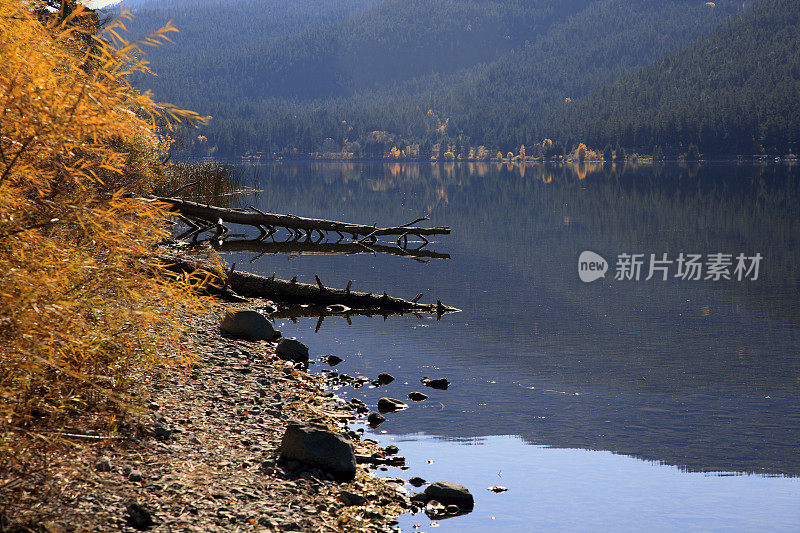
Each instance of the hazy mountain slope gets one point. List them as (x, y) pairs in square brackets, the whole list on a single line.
[(322, 49), (732, 92), (279, 77), (220, 43), (398, 40)]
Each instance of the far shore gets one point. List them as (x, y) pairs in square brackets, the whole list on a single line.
[(787, 160)]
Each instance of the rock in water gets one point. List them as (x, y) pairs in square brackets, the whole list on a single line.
[(417, 481), (316, 446), (333, 360), (390, 405), (417, 396), (248, 325), (292, 350), (450, 494), (375, 419), (497, 488), (384, 378), (438, 383)]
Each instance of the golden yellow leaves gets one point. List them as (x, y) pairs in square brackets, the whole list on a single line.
[(81, 303)]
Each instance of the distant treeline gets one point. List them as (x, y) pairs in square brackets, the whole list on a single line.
[(364, 77)]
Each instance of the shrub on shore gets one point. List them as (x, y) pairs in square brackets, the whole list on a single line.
[(81, 300)]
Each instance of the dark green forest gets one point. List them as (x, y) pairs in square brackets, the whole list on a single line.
[(364, 76), (736, 91)]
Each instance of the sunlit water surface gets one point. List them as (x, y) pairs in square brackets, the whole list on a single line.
[(612, 405)]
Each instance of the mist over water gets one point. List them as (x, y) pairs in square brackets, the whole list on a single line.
[(676, 379)]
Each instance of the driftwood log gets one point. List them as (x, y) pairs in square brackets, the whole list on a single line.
[(267, 222), (253, 285)]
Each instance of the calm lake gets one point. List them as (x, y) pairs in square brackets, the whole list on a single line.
[(611, 405)]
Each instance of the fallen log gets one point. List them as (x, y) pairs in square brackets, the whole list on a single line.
[(262, 220), (253, 285)]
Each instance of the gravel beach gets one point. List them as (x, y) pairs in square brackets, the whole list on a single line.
[(201, 454)]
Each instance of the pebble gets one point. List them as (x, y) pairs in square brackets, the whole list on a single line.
[(384, 378), (434, 508), (333, 360), (292, 350), (417, 396), (390, 405), (437, 383), (375, 419), (225, 424), (351, 498), (161, 433), (104, 464), (138, 517), (391, 449)]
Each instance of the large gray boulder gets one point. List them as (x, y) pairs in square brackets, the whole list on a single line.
[(292, 350), (314, 445), (450, 494), (248, 325)]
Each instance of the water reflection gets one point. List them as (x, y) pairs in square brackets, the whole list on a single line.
[(323, 247), (576, 490), (702, 375)]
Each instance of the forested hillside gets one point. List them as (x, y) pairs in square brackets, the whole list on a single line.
[(219, 44), (363, 76), (735, 92)]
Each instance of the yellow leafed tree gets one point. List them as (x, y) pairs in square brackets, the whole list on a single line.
[(581, 152), (80, 297)]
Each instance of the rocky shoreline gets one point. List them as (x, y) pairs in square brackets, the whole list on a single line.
[(204, 455), (219, 446)]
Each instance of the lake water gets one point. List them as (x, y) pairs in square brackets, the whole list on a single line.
[(612, 405)]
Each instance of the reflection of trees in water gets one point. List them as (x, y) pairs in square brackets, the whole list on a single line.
[(645, 208), (649, 208), (689, 398)]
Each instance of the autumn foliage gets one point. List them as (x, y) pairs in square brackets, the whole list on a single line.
[(81, 300)]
